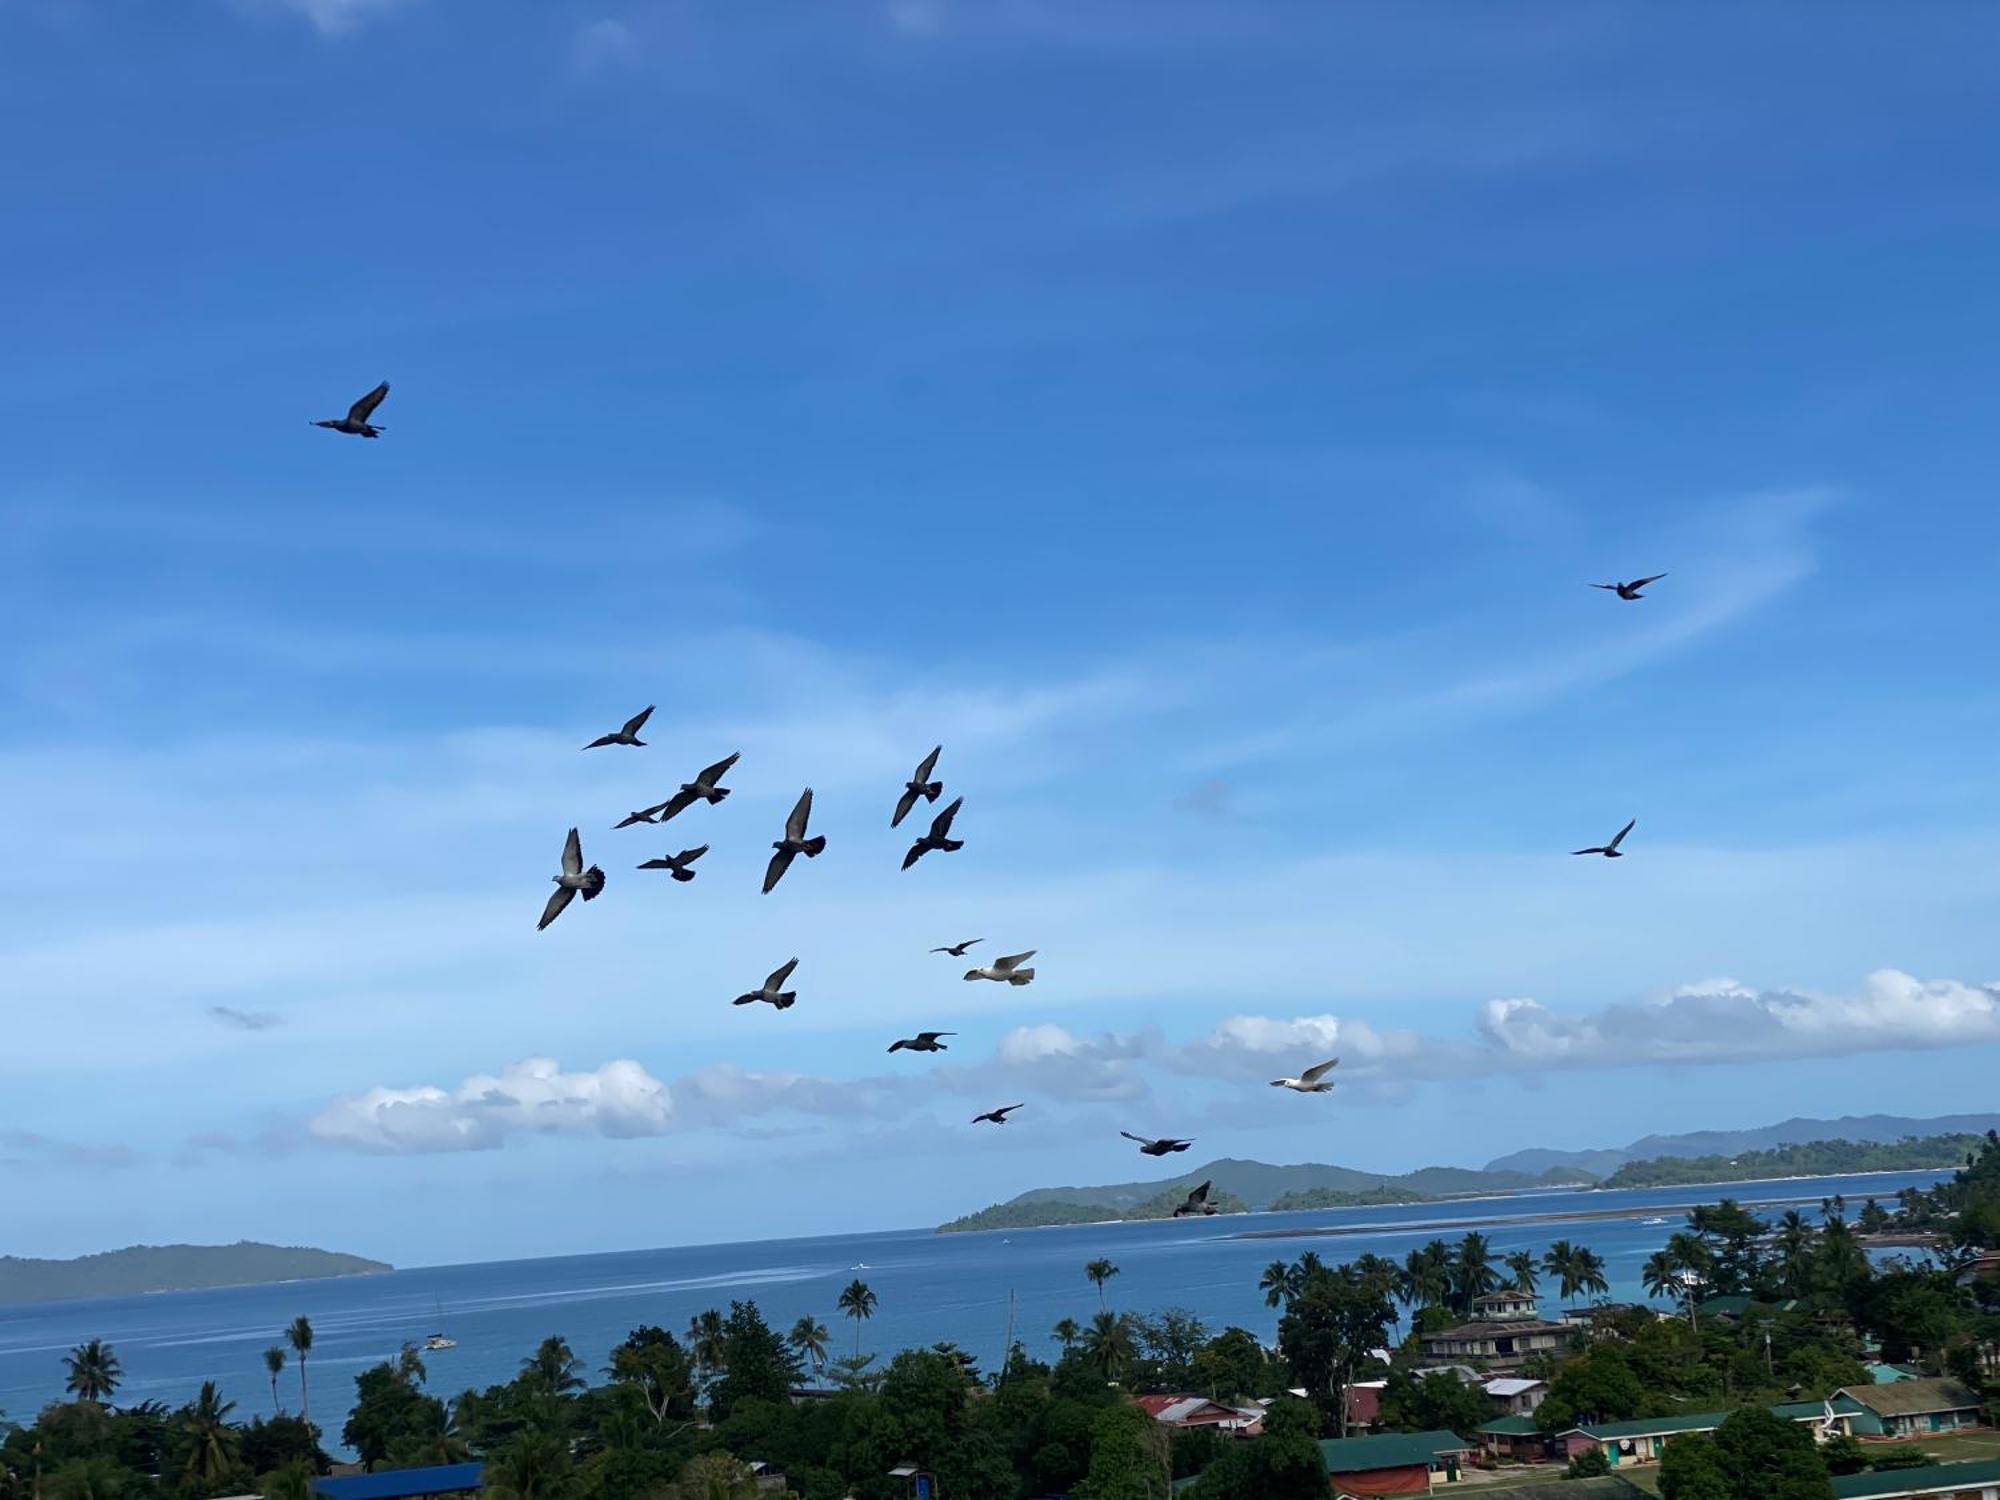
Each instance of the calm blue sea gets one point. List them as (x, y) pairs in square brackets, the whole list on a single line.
[(931, 1287)]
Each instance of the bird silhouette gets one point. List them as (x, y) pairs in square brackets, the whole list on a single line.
[(643, 815), (356, 423), (794, 843), (1196, 1204), (1630, 590), (1312, 1081), (1610, 850), (677, 864), (939, 837), (1006, 970), (703, 788), (919, 785), (629, 735), (958, 950), (773, 991), (1166, 1145), (923, 1041), (996, 1116), (574, 880)]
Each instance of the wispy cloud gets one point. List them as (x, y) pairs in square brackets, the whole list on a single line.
[(602, 46), (29, 1150), (338, 17), (244, 1020), (620, 1099)]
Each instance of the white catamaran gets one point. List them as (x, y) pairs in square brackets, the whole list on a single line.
[(439, 1340)]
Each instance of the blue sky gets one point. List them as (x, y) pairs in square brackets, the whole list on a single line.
[(1202, 420)]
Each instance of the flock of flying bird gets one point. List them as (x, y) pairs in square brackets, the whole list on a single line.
[(575, 879)]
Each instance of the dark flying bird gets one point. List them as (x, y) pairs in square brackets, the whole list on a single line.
[(939, 837), (794, 843), (1196, 1204), (574, 878), (643, 815), (677, 864), (702, 789), (958, 950), (773, 992), (923, 1041), (1166, 1145), (1006, 970), (919, 785), (629, 735), (356, 423), (996, 1116), (1610, 850), (1630, 590)]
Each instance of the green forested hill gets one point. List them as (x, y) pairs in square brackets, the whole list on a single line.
[(171, 1268), (1806, 1159)]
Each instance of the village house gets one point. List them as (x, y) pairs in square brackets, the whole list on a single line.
[(1397, 1463), (1642, 1441), (1977, 1480), (1504, 1331), (1907, 1408), (1519, 1438), (1185, 1412), (1515, 1395)]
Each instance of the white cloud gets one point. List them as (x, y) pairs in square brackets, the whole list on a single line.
[(1722, 1021), (334, 17), (603, 45), (620, 1100)]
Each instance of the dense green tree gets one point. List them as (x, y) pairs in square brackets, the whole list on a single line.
[(714, 1476), (1432, 1403), (1109, 1346), (1128, 1456), (1284, 1464), (1232, 1366), (1332, 1325), (91, 1371), (387, 1410), (1691, 1469), (1843, 1454), (1170, 1339), (280, 1442), (1597, 1386), (757, 1364), (534, 1465), (1770, 1458), (1591, 1463), (99, 1477), (652, 1362)]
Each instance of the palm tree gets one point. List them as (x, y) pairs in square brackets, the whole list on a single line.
[(1276, 1283), (93, 1371), (857, 1302), (553, 1370), (1108, 1345), (1067, 1333), (1660, 1275), (1590, 1277), (300, 1337), (1521, 1271), (705, 1341), (212, 1440), (1794, 1242), (410, 1369), (274, 1366), (1472, 1270), (809, 1336), (1099, 1272), (1423, 1281), (292, 1481)]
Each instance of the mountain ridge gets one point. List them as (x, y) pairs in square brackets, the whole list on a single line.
[(137, 1269), (1797, 1131)]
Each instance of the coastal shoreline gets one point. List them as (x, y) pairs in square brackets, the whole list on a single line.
[(1572, 1215)]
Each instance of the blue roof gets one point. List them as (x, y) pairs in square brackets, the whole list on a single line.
[(391, 1484)]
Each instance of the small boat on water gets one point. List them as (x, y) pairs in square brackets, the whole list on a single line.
[(1652, 1221), (439, 1341)]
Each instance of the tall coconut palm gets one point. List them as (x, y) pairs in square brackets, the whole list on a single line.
[(1277, 1283), (1423, 1280), (1472, 1270), (274, 1366), (211, 1438), (859, 1303), (1521, 1272), (1794, 1243), (1108, 1344), (1559, 1262), (1660, 1276), (93, 1371), (809, 1336), (705, 1341), (300, 1337), (1066, 1333), (1099, 1272), (1590, 1277), (553, 1369)]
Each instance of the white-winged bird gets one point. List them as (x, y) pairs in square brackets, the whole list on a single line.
[(1196, 1204), (919, 785), (356, 423), (773, 991), (629, 735), (574, 879), (1312, 1081), (939, 837), (1006, 970), (958, 950), (677, 864), (1166, 1145), (1630, 590), (702, 789), (794, 843), (996, 1116), (1610, 850), (923, 1041)]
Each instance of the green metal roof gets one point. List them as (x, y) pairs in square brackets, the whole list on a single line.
[(1799, 1411), (1515, 1426), (1944, 1478), (1694, 1421), (1392, 1450)]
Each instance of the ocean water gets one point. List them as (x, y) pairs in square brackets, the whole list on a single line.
[(931, 1287)]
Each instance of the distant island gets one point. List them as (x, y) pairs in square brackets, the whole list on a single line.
[(1807, 1159), (1793, 1148), (171, 1268)]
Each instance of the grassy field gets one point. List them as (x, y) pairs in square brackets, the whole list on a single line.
[(1953, 1449)]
